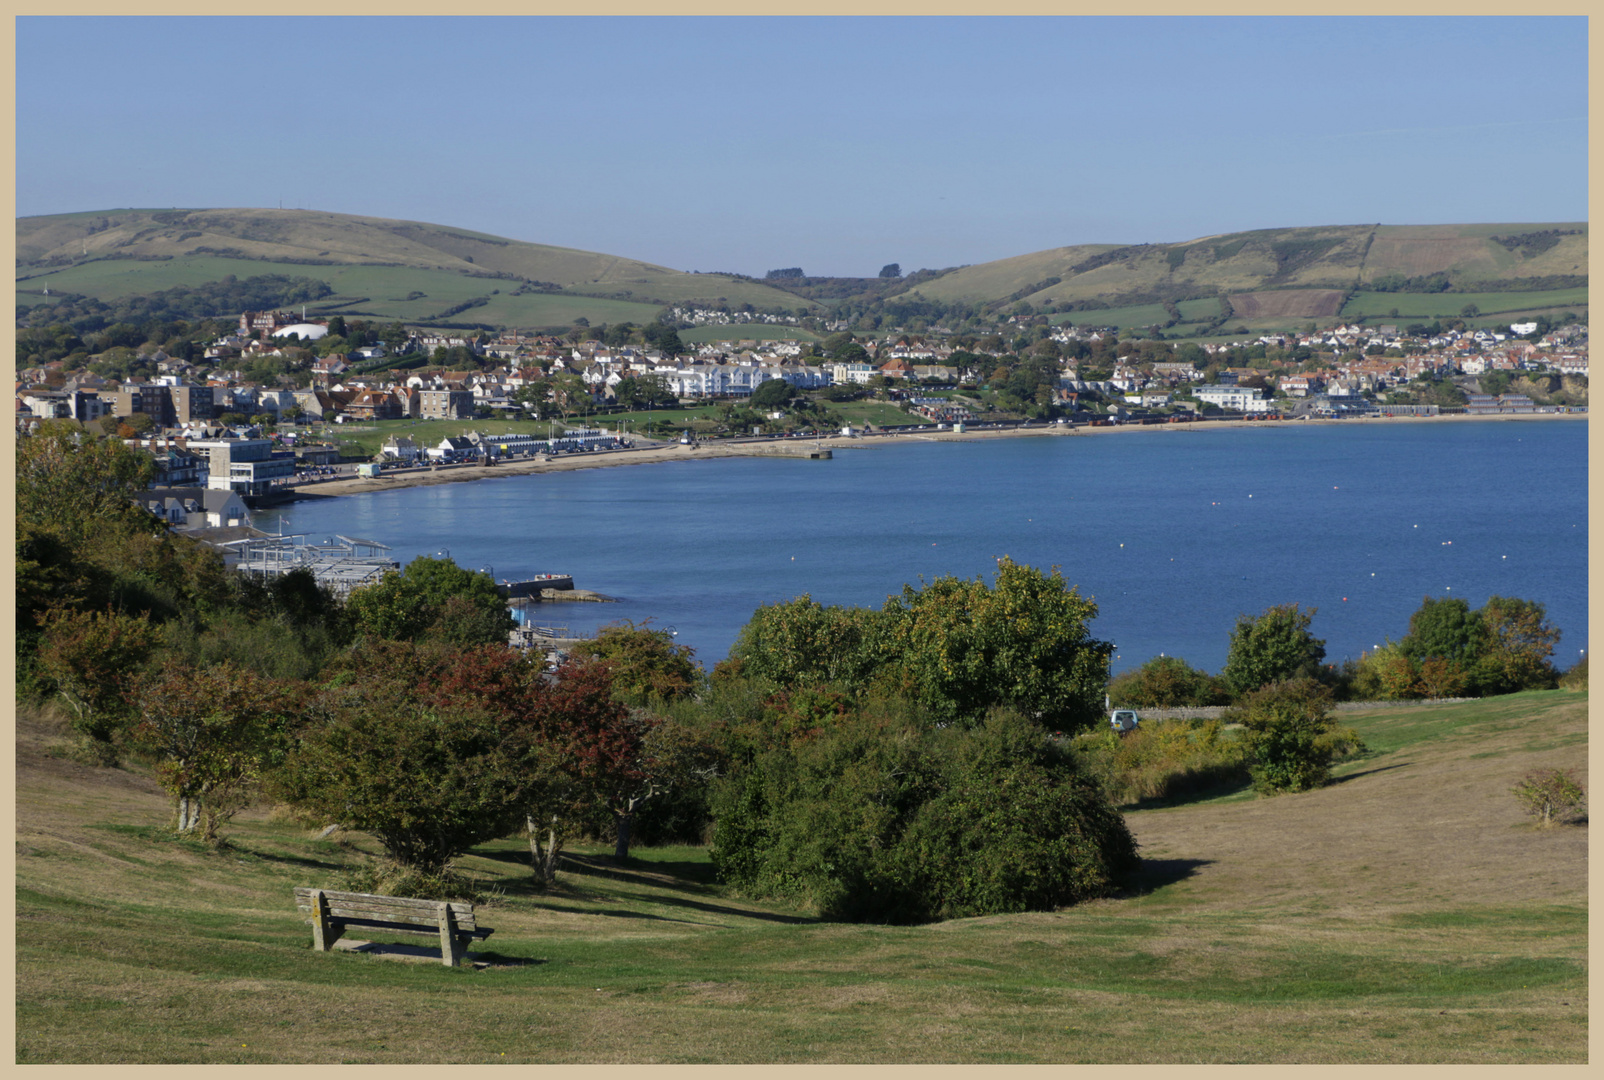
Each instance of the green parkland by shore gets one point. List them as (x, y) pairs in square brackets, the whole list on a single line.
[(1409, 912)]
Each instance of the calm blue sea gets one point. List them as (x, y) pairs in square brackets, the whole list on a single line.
[(1173, 532)]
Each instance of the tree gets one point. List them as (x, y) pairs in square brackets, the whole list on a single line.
[(891, 270), (213, 729), (771, 394), (643, 662), (1167, 682), (427, 783), (802, 643), (570, 393), (656, 756), (1274, 646), (965, 647), (432, 598), (81, 486), (1519, 642), (1547, 793), (94, 659), (1470, 311), (1291, 735)]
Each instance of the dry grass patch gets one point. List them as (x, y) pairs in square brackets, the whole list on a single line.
[(1407, 913)]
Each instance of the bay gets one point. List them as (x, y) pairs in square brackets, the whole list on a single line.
[(1174, 533)]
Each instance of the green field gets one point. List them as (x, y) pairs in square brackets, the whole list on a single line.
[(1193, 312), (1407, 913), (379, 292), (698, 335), (1448, 305)]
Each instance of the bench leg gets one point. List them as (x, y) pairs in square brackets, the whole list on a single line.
[(450, 949), (323, 935)]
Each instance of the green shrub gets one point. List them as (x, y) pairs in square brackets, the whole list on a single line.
[(1576, 677), (1550, 793), (386, 877), (1164, 759), (874, 824), (1167, 682), (1291, 736)]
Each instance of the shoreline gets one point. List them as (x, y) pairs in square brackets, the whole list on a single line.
[(800, 448)]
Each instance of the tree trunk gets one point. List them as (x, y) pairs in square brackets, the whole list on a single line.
[(621, 847), (188, 813), (544, 861)]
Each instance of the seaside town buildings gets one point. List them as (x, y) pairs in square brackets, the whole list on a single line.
[(189, 399)]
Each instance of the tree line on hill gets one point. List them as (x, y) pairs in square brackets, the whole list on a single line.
[(936, 757), (265, 292)]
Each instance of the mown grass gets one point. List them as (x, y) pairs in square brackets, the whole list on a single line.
[(135, 947), (1449, 305)]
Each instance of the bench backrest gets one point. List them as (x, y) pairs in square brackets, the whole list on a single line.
[(392, 909)]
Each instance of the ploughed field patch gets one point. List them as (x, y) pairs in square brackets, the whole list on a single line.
[(1288, 303)]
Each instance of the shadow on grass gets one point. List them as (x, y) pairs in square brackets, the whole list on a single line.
[(1154, 874), (687, 876), (605, 913), (1235, 785), (696, 875), (297, 860), (720, 909), (1345, 777)]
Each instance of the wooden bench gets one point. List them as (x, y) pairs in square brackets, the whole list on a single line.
[(333, 913)]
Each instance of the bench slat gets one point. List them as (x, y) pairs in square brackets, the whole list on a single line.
[(406, 928), (337, 912), (303, 895), (382, 911)]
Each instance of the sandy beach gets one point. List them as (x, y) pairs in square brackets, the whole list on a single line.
[(646, 452)]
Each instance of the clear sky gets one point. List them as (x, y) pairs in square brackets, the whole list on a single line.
[(833, 144)]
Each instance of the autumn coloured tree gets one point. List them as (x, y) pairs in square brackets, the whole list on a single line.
[(94, 658), (644, 662), (214, 730)]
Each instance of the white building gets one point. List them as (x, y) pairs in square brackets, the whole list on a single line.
[(1243, 399)]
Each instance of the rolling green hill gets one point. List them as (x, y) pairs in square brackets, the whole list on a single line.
[(433, 274), (1317, 263), (376, 266)]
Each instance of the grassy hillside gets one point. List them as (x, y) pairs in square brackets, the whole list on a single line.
[(1407, 913), (119, 252), (386, 269), (1315, 259)]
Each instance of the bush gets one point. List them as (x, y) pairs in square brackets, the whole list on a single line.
[(1164, 760), (1576, 677), (1291, 737), (1167, 682), (386, 877), (870, 824), (1550, 793)]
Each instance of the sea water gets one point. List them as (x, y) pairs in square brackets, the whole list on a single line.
[(1173, 532)]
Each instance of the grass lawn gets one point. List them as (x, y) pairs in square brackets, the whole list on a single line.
[(878, 413), (364, 440), (1406, 913)]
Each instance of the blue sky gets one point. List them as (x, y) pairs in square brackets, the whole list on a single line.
[(834, 144)]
